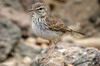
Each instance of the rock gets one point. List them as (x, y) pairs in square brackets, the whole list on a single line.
[(17, 13), (17, 62), (25, 50), (10, 62), (9, 36), (27, 60), (69, 55), (20, 4), (61, 1), (11, 3), (89, 42), (42, 41), (21, 19), (36, 42)]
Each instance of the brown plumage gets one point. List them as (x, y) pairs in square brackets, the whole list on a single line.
[(47, 26), (57, 25)]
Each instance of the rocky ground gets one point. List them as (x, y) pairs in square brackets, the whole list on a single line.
[(20, 47)]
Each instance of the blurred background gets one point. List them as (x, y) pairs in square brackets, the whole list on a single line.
[(18, 45)]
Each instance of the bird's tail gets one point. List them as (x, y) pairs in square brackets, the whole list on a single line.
[(76, 34)]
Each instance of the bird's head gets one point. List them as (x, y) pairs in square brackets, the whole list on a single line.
[(39, 9)]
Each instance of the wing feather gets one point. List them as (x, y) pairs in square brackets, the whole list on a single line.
[(56, 25)]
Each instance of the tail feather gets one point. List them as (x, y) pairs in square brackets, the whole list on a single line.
[(76, 34)]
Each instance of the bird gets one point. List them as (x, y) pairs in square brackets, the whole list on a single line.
[(47, 26)]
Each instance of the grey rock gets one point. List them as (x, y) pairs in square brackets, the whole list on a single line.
[(11, 3), (21, 5), (65, 54), (26, 51), (9, 37)]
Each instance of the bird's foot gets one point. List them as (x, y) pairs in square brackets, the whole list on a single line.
[(47, 58)]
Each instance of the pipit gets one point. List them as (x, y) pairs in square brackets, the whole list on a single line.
[(47, 26)]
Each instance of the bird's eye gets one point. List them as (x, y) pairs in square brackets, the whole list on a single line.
[(40, 8)]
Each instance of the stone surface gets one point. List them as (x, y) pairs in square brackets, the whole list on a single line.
[(65, 54), (21, 19), (17, 62), (9, 36), (25, 50), (11, 3)]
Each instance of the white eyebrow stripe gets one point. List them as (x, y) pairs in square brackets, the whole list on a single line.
[(40, 7)]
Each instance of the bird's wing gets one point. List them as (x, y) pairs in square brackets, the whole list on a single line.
[(56, 25)]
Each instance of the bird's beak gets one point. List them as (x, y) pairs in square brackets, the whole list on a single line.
[(30, 10)]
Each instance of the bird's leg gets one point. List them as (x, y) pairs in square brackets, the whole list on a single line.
[(52, 46), (49, 53)]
